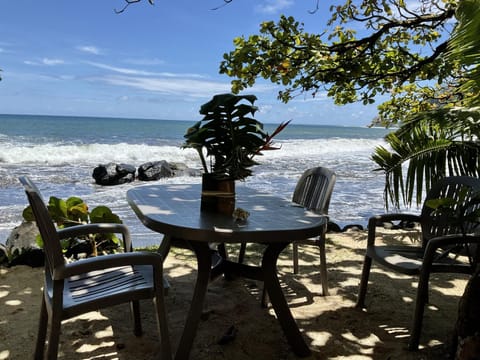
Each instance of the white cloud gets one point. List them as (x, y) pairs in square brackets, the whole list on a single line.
[(169, 86), (274, 6), (147, 62), (89, 49), (5, 47), (52, 62), (45, 61), (265, 108), (166, 83), (137, 72), (125, 71)]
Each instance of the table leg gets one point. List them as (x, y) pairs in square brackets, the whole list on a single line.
[(204, 264), (278, 301)]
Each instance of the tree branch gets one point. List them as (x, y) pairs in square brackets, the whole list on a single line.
[(225, 2), (409, 23), (129, 2)]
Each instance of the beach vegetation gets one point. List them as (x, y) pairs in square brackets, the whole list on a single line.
[(441, 142), (74, 211), (429, 146), (228, 138)]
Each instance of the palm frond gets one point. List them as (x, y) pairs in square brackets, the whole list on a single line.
[(464, 46), (427, 147)]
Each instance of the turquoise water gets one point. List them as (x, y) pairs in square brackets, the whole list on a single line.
[(60, 153)]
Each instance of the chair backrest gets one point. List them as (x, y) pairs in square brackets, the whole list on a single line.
[(314, 189), (460, 189), (51, 242)]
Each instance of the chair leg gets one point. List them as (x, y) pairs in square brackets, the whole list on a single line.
[(164, 248), (54, 336), (362, 292), (323, 266), (42, 331), (137, 322), (295, 257), (241, 253), (264, 302), (162, 324), (422, 299)]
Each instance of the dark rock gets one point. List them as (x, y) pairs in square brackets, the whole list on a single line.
[(388, 225), (125, 169), (408, 225), (3, 254), (352, 227), (178, 166), (21, 247), (189, 172), (113, 174), (32, 257), (333, 227), (400, 225), (155, 170), (180, 169)]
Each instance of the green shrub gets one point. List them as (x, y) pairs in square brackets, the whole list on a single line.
[(74, 211)]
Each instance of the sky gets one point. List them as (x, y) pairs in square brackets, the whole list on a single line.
[(80, 58)]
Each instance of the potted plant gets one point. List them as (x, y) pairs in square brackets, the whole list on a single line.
[(227, 139)]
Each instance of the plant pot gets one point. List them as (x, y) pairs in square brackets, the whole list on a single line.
[(217, 195)]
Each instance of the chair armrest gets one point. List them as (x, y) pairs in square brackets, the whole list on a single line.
[(98, 228), (109, 261), (447, 240), (377, 220)]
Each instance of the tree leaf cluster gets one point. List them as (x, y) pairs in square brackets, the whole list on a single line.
[(464, 46), (441, 142), (400, 50)]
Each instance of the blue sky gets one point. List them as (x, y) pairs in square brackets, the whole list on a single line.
[(78, 57)]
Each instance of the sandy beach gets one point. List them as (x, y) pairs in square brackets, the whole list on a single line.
[(332, 327)]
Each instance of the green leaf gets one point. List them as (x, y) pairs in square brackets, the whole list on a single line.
[(28, 214), (102, 214), (57, 209)]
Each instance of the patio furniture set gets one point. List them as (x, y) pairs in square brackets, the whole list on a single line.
[(174, 211)]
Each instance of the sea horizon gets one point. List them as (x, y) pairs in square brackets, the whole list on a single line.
[(182, 120)]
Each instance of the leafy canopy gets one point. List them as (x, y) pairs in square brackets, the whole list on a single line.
[(464, 46), (399, 55), (441, 142)]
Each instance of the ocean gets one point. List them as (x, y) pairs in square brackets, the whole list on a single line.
[(59, 153)]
